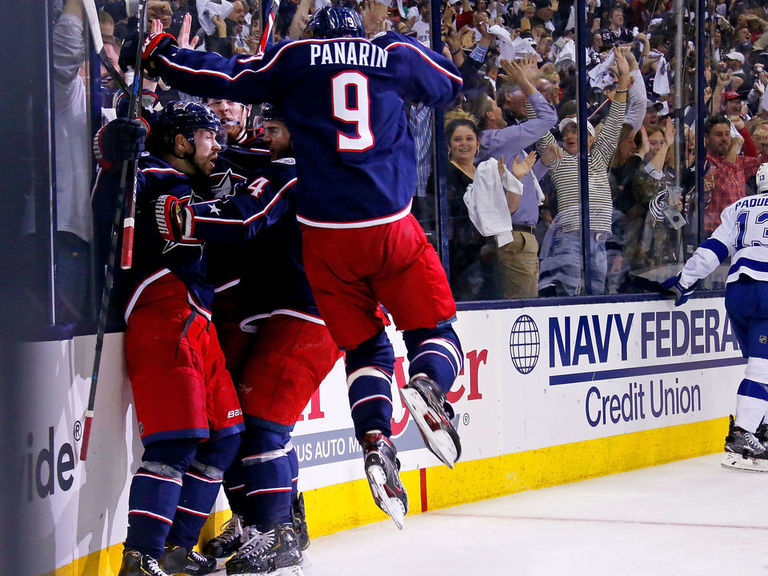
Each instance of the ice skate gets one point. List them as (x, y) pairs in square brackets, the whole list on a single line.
[(181, 560), (300, 522), (272, 553), (383, 471), (762, 434), (228, 542), (432, 415), (137, 564), (743, 451)]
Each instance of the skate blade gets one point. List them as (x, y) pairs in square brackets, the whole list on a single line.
[(288, 571), (439, 441), (377, 479), (306, 560), (733, 461)]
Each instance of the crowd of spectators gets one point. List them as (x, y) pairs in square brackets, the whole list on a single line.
[(518, 62)]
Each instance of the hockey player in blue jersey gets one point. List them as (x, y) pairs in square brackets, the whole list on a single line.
[(741, 236), (289, 351), (188, 412), (343, 98)]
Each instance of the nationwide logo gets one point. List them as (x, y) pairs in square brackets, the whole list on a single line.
[(524, 344)]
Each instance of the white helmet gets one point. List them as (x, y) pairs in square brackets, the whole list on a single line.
[(762, 178)]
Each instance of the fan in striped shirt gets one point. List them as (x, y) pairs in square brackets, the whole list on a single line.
[(561, 270)]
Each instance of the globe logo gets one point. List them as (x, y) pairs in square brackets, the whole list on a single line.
[(524, 344)]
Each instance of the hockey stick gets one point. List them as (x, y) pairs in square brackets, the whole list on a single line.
[(98, 44), (270, 16), (128, 169), (129, 225)]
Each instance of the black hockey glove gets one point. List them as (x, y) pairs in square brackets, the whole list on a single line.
[(672, 287), (169, 217), (120, 140), (156, 45)]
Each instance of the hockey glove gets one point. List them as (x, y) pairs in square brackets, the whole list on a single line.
[(672, 287), (156, 45), (169, 216), (122, 139)]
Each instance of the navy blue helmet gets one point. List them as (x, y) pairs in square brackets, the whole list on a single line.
[(271, 112), (183, 118), (335, 22)]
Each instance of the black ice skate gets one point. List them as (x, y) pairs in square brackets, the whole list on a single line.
[(228, 542), (181, 560), (762, 434), (300, 522), (383, 471), (432, 415), (137, 564), (744, 451), (274, 553)]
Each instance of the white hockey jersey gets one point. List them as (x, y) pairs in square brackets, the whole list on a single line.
[(742, 235)]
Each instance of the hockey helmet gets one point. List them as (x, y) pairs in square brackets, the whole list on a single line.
[(185, 118), (336, 22), (762, 178), (271, 111)]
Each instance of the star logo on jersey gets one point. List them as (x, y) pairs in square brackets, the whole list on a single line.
[(214, 209), (223, 184)]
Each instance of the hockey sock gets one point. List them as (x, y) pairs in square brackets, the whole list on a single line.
[(293, 462), (154, 494), (369, 385), (751, 403), (267, 477), (200, 488), (234, 486), (435, 352)]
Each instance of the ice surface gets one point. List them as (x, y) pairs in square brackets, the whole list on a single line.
[(688, 518)]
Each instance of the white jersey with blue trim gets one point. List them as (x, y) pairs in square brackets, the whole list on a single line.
[(343, 102), (742, 235)]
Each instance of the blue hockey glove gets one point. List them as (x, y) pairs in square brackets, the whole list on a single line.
[(122, 139), (672, 287), (156, 45)]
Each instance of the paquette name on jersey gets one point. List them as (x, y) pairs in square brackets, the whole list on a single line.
[(348, 54)]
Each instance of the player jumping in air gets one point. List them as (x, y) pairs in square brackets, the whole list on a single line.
[(343, 100)]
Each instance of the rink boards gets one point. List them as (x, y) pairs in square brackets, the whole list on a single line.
[(548, 395)]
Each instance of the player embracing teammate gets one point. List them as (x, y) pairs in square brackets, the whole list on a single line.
[(356, 171)]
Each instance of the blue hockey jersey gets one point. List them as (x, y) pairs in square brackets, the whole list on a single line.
[(257, 238), (343, 103), (153, 255)]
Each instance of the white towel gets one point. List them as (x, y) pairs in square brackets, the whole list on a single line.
[(600, 76), (661, 80), (207, 9), (487, 202)]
